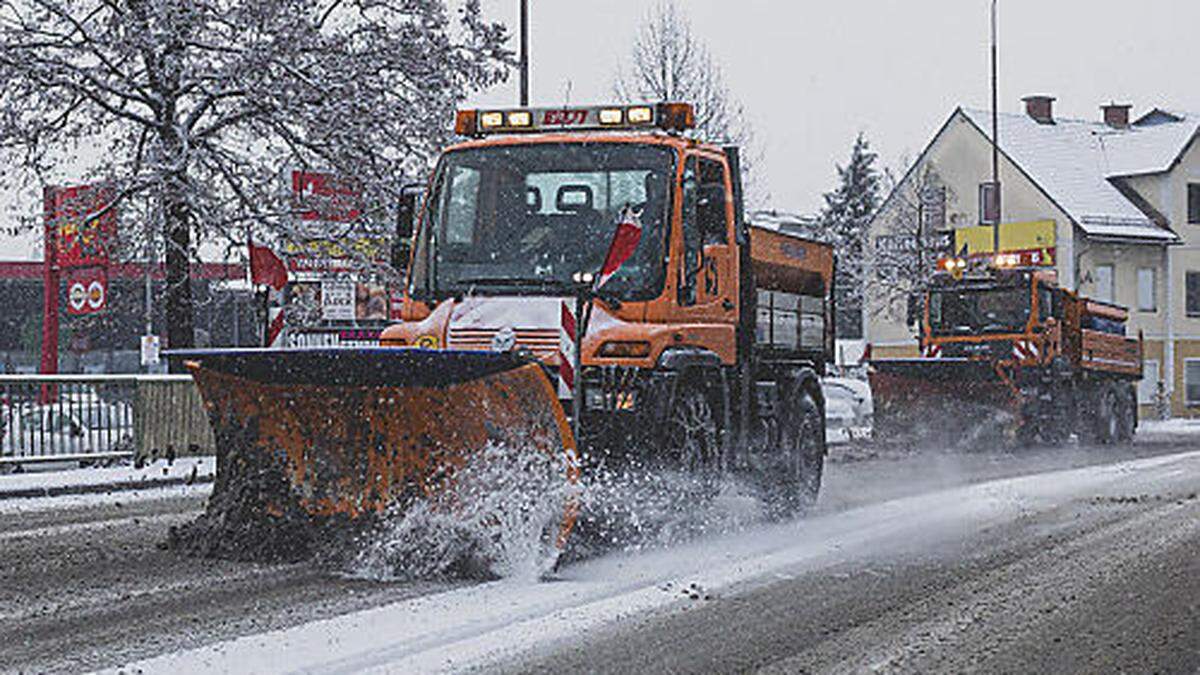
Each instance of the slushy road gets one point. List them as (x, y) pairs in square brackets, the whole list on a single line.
[(893, 570)]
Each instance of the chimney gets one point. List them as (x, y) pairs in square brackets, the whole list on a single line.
[(1116, 115), (1040, 108)]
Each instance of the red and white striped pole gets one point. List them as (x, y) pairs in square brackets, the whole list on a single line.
[(566, 352)]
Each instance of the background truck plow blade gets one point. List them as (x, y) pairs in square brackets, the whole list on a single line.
[(330, 435), (949, 401)]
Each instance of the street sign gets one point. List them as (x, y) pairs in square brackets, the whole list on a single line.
[(151, 348)]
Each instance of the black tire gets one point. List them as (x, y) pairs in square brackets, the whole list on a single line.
[(1105, 425), (1047, 420), (1126, 414), (794, 482), (693, 438)]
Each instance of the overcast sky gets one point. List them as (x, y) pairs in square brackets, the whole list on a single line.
[(814, 74)]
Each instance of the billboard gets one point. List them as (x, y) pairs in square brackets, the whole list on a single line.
[(1033, 242), (323, 197), (80, 237)]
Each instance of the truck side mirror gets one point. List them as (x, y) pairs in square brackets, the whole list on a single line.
[(913, 315), (406, 217)]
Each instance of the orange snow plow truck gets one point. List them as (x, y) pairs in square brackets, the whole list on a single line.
[(1007, 355), (700, 349)]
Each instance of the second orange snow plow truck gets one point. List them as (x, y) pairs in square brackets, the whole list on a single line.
[(1010, 354), (576, 274)]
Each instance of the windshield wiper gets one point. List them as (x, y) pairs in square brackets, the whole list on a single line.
[(529, 282)]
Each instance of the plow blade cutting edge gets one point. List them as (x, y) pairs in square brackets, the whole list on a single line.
[(334, 434), (948, 401)]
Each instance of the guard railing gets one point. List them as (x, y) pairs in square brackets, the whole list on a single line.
[(100, 418)]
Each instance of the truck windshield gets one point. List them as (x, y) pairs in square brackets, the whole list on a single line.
[(525, 219), (972, 311)]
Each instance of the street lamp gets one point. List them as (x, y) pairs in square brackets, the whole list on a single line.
[(995, 189), (524, 67)]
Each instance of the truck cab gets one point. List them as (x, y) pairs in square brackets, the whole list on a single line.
[(704, 336)]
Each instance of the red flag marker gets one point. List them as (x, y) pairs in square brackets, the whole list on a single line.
[(624, 242), (267, 268)]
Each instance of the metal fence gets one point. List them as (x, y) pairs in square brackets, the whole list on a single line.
[(99, 418)]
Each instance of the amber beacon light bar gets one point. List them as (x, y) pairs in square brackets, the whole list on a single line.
[(674, 117)]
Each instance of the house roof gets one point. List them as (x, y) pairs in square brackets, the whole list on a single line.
[(1079, 165)]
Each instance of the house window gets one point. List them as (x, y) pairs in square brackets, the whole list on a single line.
[(1191, 381), (1147, 299), (1148, 387), (1104, 283), (1193, 294), (989, 203), (1194, 203), (933, 210)]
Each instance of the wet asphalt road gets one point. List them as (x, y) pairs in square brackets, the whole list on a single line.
[(1107, 582)]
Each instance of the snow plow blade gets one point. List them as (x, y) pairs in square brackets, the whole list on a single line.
[(336, 434), (944, 401)]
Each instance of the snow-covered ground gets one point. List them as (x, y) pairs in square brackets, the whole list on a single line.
[(476, 626), (1178, 425), (64, 488)]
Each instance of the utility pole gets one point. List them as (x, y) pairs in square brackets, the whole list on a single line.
[(995, 140), (524, 53)]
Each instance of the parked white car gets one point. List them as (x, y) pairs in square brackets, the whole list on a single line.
[(66, 428), (849, 408)]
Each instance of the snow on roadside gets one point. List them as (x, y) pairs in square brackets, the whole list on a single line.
[(1177, 425), (78, 501), (180, 468), (113, 483)]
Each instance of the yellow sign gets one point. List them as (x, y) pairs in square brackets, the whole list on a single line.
[(1033, 242), (364, 247)]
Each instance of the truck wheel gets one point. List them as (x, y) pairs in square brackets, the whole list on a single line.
[(794, 482), (1046, 421), (1126, 412), (692, 435), (1108, 416)]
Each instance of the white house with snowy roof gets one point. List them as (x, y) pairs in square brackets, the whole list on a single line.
[(1117, 203)]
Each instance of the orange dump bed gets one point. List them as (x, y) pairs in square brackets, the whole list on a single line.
[(784, 262)]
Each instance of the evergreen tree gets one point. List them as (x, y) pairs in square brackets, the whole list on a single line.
[(844, 220)]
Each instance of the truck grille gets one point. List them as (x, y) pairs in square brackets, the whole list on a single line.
[(541, 343)]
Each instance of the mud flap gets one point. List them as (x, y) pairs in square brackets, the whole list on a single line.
[(330, 435)]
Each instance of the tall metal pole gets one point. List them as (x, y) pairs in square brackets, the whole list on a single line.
[(50, 282), (524, 53), (995, 139)]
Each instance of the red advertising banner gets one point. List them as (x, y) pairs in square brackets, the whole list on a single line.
[(81, 238), (87, 290), (324, 197)]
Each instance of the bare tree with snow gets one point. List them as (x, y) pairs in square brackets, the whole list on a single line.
[(909, 235), (669, 63), (196, 111)]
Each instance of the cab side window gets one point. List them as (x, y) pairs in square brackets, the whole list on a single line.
[(1046, 308), (692, 236), (712, 202)]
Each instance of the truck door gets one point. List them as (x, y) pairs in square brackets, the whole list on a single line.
[(708, 271)]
